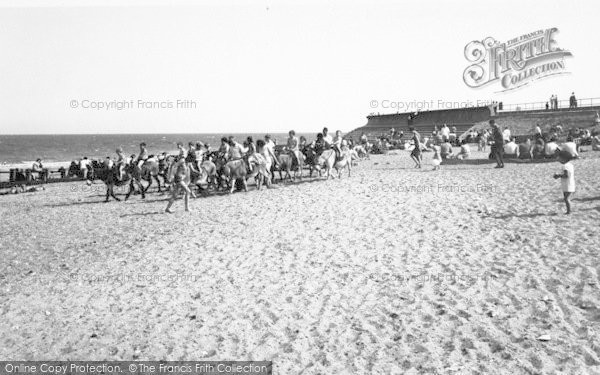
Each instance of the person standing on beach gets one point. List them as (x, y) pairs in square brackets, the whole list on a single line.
[(268, 157), (179, 175), (120, 163), (498, 146), (84, 167), (567, 178), (437, 157), (143, 156), (483, 138), (270, 152), (190, 158), (445, 132), (253, 157), (415, 154)]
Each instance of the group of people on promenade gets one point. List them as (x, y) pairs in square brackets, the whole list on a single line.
[(552, 104)]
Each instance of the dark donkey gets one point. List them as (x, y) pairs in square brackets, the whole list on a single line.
[(132, 175)]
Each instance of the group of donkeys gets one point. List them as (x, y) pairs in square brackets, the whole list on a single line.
[(216, 172)]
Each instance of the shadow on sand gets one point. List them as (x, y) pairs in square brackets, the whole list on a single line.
[(587, 199), (522, 216), (143, 214), (542, 214), (134, 199)]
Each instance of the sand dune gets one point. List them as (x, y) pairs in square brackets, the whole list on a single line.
[(391, 271)]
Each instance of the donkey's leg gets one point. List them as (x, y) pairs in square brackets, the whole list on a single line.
[(131, 189), (149, 184), (157, 182), (141, 186), (112, 193)]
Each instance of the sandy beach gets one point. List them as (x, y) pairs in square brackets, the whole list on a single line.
[(468, 269)]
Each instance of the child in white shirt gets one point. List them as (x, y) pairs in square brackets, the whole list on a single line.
[(567, 177)]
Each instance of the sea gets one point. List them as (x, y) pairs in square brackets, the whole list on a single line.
[(20, 151)]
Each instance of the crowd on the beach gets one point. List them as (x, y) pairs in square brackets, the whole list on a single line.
[(564, 152), (440, 142), (264, 153), (504, 145)]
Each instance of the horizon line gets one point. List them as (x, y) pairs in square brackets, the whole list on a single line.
[(175, 133)]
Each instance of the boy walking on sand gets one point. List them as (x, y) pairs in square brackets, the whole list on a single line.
[(567, 178), (179, 175), (415, 155), (498, 146)]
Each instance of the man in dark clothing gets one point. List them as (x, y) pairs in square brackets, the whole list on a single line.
[(498, 146)]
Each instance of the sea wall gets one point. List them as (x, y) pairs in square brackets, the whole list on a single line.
[(464, 119), (461, 118)]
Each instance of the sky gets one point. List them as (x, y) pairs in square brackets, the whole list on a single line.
[(262, 66)]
